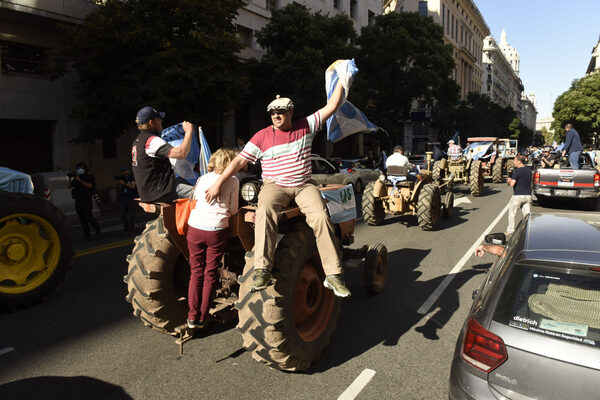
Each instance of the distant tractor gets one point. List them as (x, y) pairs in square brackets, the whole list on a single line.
[(395, 194), (465, 170)]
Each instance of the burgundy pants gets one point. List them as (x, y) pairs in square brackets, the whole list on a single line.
[(206, 250)]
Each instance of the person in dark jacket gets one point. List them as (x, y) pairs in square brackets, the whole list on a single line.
[(150, 155), (128, 192), (83, 185), (572, 146)]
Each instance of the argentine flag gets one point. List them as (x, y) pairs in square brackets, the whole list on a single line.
[(183, 168), (348, 119), (476, 150)]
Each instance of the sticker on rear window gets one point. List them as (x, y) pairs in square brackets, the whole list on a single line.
[(564, 327), (547, 277)]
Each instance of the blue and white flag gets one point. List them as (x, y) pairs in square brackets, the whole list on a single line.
[(478, 150), (204, 153), (183, 168), (348, 119), (341, 204)]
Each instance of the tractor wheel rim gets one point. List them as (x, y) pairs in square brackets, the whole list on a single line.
[(313, 304), (29, 252)]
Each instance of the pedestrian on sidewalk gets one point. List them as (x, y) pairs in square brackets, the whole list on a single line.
[(572, 146), (83, 184), (521, 198), (128, 192), (208, 234)]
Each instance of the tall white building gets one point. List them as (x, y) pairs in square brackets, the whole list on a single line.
[(511, 54), (594, 64), (501, 82)]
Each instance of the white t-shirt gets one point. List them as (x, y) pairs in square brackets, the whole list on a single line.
[(214, 216), (397, 160)]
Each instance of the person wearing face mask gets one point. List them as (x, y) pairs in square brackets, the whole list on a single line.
[(82, 185)]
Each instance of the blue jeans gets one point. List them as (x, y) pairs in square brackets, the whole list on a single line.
[(574, 159)]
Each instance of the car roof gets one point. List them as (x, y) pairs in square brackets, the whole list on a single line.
[(563, 237)]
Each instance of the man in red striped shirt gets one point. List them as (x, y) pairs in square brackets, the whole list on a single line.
[(284, 151)]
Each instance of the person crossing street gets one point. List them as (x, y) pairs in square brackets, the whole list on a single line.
[(521, 198)]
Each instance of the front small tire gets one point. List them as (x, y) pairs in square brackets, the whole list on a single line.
[(376, 265)]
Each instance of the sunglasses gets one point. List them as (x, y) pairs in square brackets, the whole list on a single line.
[(280, 112)]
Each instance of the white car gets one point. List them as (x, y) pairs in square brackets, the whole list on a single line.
[(342, 171)]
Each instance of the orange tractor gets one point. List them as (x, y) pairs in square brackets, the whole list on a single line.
[(288, 324)]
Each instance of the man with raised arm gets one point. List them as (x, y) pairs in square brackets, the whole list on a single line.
[(284, 150)]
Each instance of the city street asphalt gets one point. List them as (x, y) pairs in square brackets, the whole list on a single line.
[(84, 341)]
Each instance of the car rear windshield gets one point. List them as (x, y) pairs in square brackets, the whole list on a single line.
[(552, 303)]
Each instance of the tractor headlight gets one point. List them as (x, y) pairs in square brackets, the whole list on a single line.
[(249, 192)]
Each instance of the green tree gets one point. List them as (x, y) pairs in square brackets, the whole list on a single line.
[(402, 57), (547, 135), (300, 46), (479, 116), (176, 55), (580, 105)]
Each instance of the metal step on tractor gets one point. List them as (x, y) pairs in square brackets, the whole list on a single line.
[(287, 325), (395, 194)]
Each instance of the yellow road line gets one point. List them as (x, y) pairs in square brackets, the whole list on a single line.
[(98, 249)]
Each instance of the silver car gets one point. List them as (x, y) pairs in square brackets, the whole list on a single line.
[(533, 331)]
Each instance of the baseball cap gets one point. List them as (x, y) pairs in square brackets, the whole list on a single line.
[(146, 114), (280, 103), (450, 141)]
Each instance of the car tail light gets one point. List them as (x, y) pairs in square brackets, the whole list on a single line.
[(536, 178), (481, 348), (596, 180), (350, 170)]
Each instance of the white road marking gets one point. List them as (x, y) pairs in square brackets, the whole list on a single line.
[(359, 384), (461, 200), (6, 350), (424, 309)]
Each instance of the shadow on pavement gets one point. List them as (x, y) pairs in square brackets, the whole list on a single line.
[(60, 388), (367, 321)]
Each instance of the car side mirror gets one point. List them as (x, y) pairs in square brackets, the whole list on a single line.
[(496, 238)]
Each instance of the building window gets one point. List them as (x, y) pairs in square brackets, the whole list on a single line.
[(443, 15), (452, 26), (448, 22), (244, 35), (371, 18), (353, 9), (423, 8), (271, 5), (23, 58), (337, 4)]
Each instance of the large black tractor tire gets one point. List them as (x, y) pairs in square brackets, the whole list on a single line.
[(376, 265), (436, 173), (448, 205), (429, 207), (372, 208), (476, 178), (155, 292), (510, 167), (289, 324), (497, 170), (36, 248)]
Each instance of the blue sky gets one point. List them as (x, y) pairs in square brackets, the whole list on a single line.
[(554, 39)]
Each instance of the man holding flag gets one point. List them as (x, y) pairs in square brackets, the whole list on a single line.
[(150, 155), (284, 150)]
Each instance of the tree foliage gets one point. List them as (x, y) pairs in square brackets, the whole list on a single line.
[(300, 46), (402, 57), (176, 55), (580, 105), (479, 116)]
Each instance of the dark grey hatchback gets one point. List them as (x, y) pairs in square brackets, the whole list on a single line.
[(533, 331)]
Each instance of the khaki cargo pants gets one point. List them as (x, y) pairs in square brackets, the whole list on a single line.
[(272, 200)]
